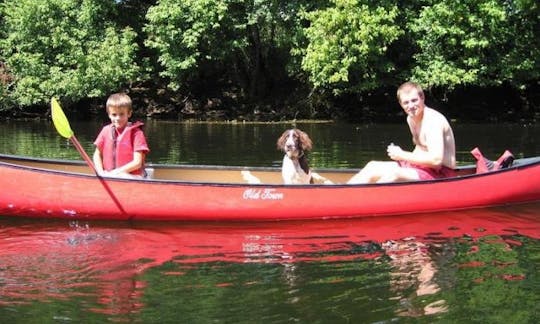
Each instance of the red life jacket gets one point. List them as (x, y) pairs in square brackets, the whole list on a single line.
[(118, 148)]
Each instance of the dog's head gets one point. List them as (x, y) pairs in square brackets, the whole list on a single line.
[(294, 143)]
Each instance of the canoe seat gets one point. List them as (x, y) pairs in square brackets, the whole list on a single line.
[(484, 165), (249, 178)]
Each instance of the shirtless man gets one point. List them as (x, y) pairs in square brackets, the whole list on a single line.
[(434, 154)]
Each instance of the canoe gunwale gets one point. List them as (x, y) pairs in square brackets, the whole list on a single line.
[(522, 163)]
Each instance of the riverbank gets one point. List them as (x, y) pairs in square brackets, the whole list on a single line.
[(467, 104)]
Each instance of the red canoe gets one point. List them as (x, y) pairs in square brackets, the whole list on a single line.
[(68, 189)]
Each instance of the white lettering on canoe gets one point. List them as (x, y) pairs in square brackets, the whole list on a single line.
[(262, 194), (69, 212)]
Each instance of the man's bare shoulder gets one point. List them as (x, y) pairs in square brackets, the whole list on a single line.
[(433, 116)]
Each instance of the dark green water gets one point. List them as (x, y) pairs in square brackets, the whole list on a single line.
[(479, 266), (335, 145)]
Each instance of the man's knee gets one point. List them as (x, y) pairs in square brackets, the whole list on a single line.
[(374, 165)]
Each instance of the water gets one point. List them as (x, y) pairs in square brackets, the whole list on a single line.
[(335, 144), (466, 266)]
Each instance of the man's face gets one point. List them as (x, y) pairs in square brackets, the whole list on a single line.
[(412, 103)]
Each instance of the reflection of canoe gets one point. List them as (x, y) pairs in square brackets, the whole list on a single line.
[(287, 241), (67, 189), (49, 259)]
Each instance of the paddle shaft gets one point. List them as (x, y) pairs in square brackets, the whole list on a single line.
[(93, 167), (83, 153)]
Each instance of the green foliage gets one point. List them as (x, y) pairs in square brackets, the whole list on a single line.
[(476, 42), (257, 49), (3, 102), (184, 33), (68, 48), (348, 43), (4, 82), (246, 43)]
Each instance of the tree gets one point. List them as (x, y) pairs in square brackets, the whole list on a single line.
[(348, 43), (67, 48), (477, 42), (245, 44), (184, 34)]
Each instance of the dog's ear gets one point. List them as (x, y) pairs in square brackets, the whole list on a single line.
[(305, 141), (281, 140), (304, 164)]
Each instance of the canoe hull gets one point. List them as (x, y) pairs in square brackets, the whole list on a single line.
[(44, 193)]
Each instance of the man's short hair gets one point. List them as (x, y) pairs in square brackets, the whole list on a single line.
[(408, 86)]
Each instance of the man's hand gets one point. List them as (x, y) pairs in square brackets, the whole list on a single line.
[(394, 152)]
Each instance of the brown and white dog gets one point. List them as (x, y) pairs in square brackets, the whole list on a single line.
[(295, 167)]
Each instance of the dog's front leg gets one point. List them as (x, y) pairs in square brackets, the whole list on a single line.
[(320, 179), (287, 170)]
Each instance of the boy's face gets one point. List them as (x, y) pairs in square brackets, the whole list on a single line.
[(119, 116)]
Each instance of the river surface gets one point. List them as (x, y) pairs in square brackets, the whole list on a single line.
[(476, 266)]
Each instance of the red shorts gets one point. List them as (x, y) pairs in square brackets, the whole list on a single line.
[(427, 173)]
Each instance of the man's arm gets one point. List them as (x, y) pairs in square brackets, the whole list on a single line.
[(431, 153)]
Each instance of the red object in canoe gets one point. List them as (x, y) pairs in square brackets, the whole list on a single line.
[(68, 189)]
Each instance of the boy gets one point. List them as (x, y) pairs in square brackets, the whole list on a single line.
[(121, 146)]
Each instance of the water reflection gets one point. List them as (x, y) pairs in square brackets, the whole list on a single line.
[(413, 267), (406, 266), (335, 144)]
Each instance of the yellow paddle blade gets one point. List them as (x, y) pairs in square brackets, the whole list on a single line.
[(60, 120)]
